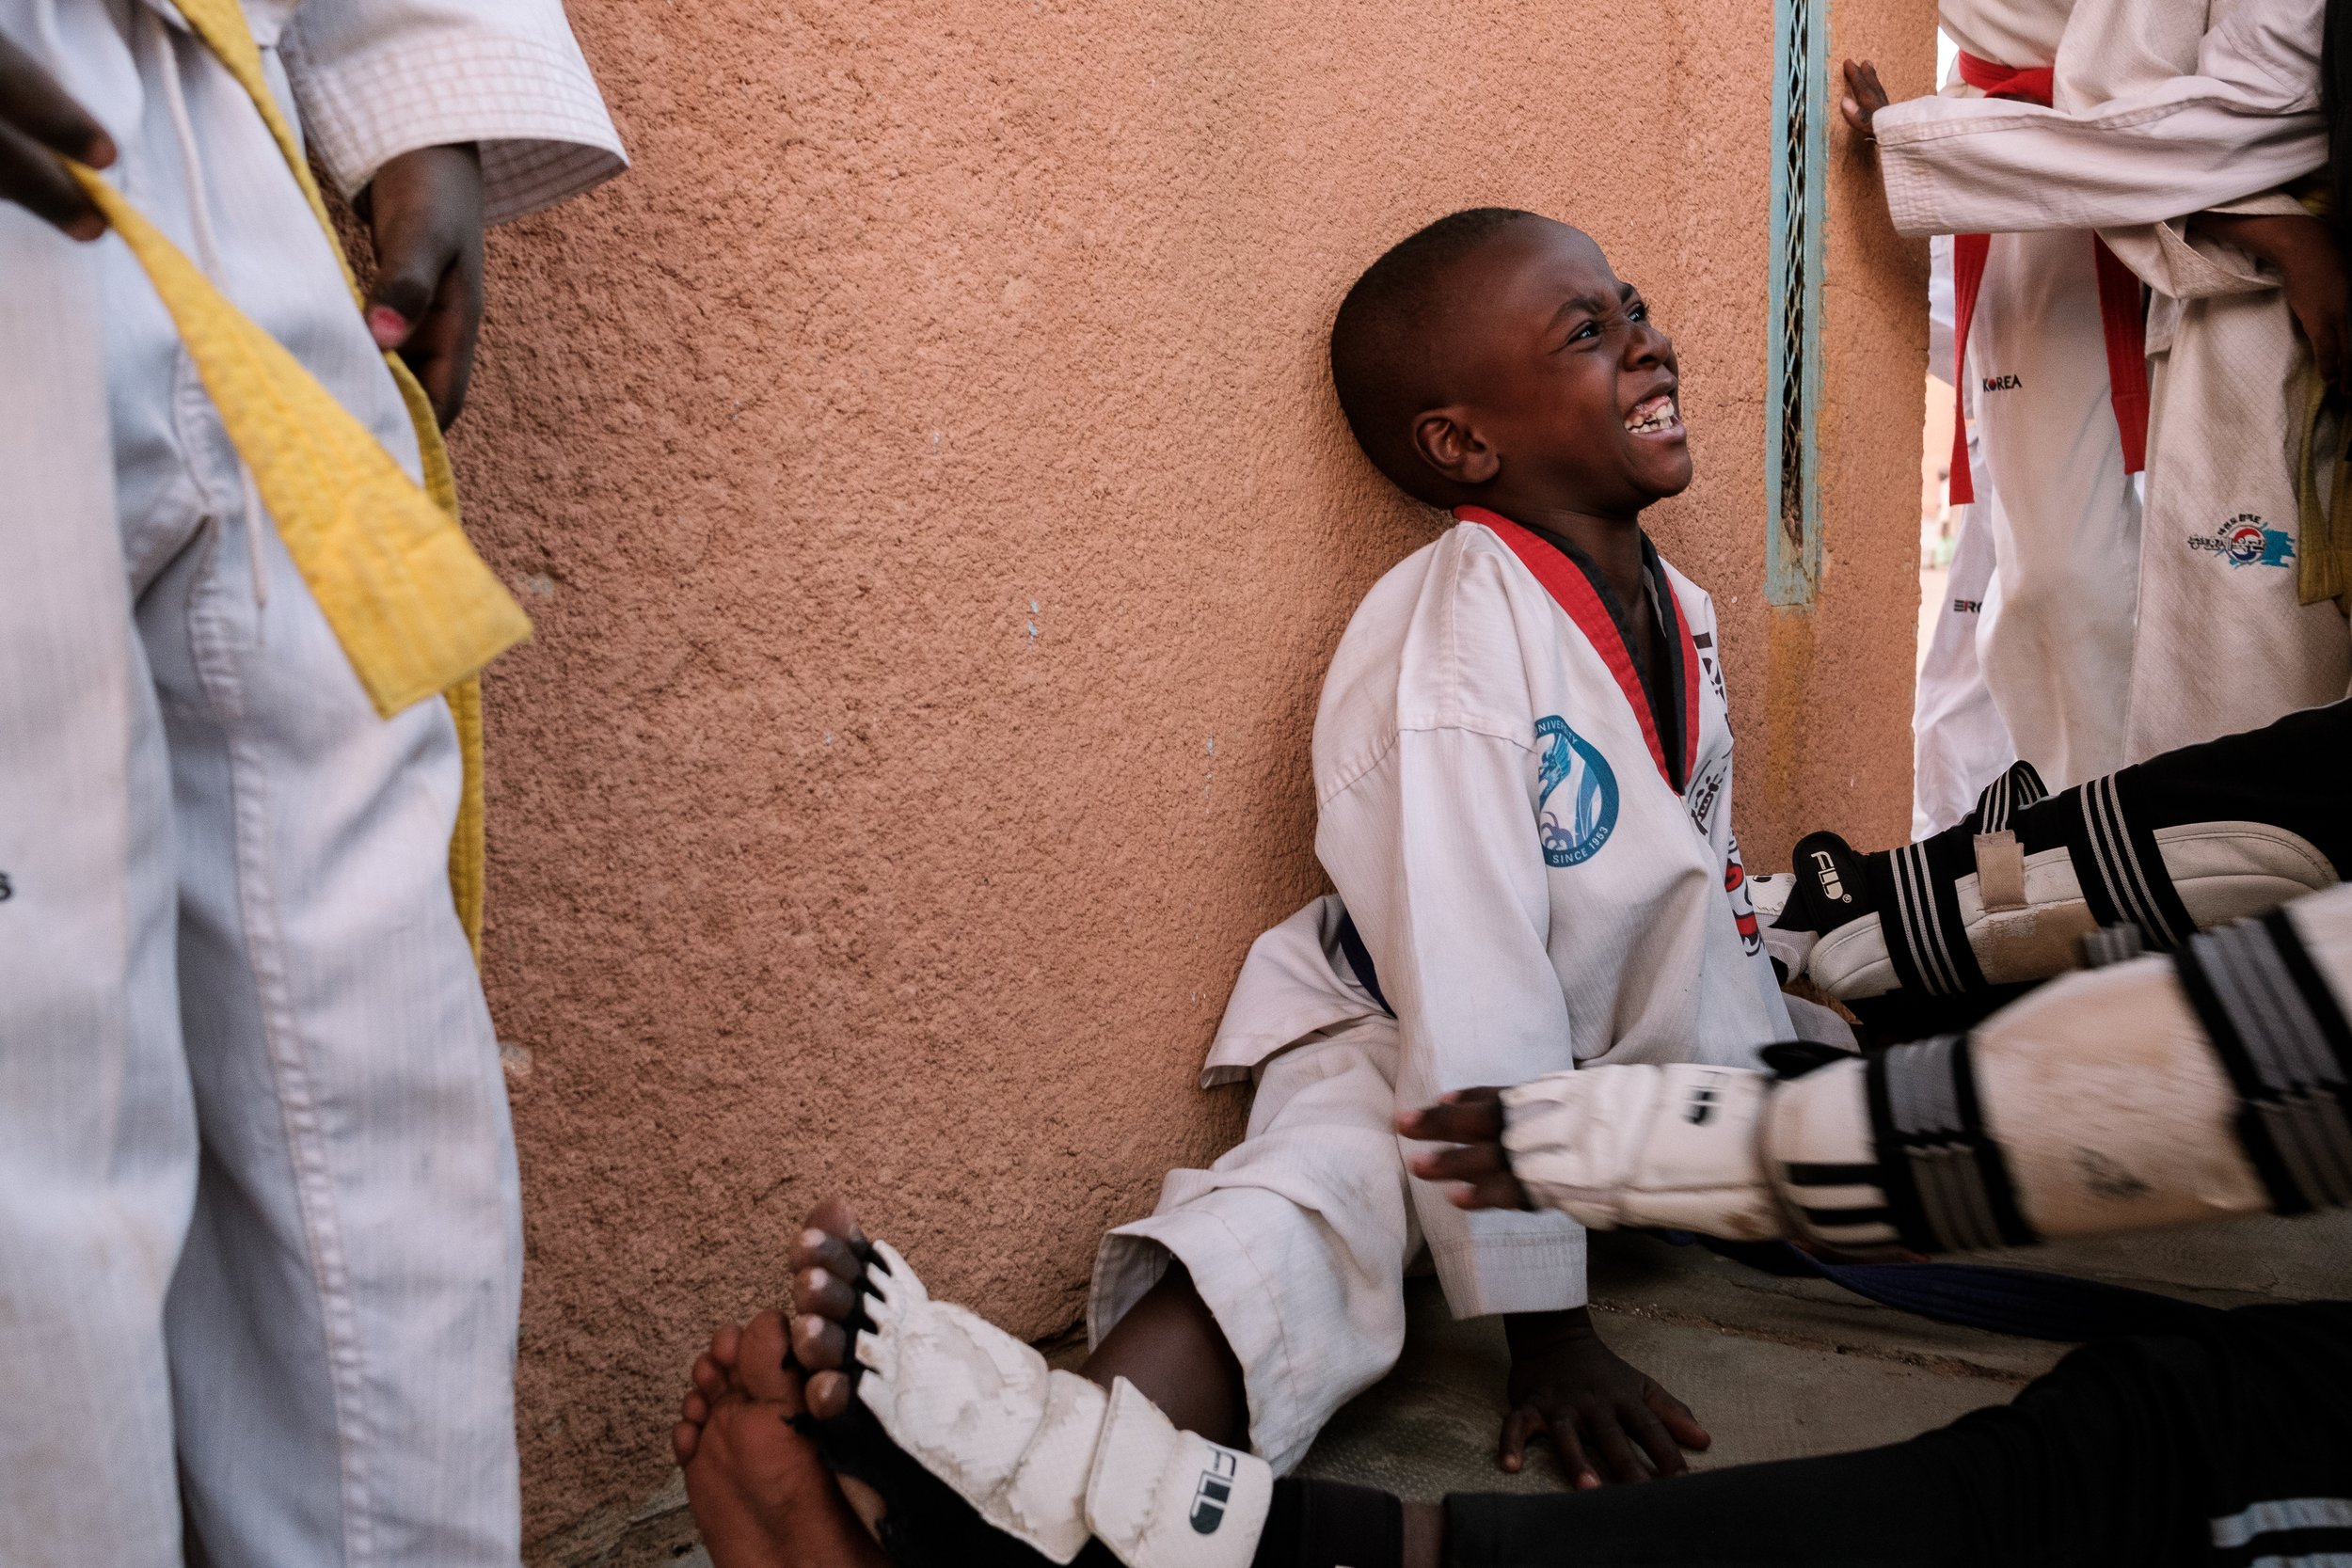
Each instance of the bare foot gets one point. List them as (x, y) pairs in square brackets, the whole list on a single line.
[(761, 1496), (826, 1269)]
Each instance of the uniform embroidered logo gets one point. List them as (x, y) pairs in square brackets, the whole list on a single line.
[(1573, 830), (1705, 643), (1210, 1494), (1742, 904), (1706, 791), (1833, 885), (2245, 539), (2002, 384)]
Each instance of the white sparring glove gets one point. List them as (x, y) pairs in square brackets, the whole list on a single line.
[(1046, 1456), (1672, 1146)]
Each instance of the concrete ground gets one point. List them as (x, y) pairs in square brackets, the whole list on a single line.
[(1774, 1368)]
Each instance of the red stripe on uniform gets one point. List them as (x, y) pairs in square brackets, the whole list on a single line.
[(1573, 593)]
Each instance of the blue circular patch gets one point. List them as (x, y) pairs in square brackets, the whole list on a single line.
[(1574, 827)]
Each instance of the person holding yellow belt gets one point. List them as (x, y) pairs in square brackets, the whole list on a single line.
[(260, 1236)]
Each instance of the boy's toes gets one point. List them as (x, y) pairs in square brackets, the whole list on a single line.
[(726, 1342), (759, 1365), (709, 1377), (834, 1218), (819, 1250), (828, 1395), (819, 1343), (826, 1293), (684, 1439), (693, 1408)]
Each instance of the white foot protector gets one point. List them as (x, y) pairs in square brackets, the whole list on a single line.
[(1046, 1456), (1161, 1498)]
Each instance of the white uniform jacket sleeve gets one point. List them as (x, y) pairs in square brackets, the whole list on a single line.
[(1433, 849), (2246, 120), (376, 78)]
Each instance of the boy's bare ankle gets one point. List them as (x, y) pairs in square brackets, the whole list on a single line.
[(1424, 1535)]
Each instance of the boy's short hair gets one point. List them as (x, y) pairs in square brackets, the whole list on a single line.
[(1381, 361)]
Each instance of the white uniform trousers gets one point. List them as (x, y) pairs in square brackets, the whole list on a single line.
[(1297, 1239), (2225, 642), (1959, 742), (227, 928), (2055, 646)]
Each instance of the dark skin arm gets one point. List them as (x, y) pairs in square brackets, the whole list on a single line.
[(39, 122), (424, 209), (2303, 252), (1864, 97), (1610, 1420)]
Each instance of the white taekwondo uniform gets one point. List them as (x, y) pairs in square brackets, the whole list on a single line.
[(2061, 509), (2162, 111), (1543, 873), (1959, 743), (225, 914)]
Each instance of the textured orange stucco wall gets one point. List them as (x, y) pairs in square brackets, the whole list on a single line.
[(923, 473)]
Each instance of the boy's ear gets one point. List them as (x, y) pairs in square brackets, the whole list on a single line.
[(1447, 442)]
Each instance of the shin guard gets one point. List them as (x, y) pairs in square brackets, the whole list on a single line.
[(2160, 850), (2162, 1091)]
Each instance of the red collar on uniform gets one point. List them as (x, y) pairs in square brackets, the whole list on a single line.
[(1574, 592)]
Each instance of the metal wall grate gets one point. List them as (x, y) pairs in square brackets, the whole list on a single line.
[(1792, 551)]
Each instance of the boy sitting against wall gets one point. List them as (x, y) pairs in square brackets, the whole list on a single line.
[(1522, 762), (1522, 766)]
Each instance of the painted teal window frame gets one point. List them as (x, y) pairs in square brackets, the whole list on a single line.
[(1793, 404)]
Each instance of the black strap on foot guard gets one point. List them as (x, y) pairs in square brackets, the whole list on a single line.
[(1948, 1188), (2282, 1037), (1330, 1524), (2005, 796), (1916, 891), (2117, 862)]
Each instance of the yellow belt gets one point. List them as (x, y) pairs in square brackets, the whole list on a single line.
[(415, 609)]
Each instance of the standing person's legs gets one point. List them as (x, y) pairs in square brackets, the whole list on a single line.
[(341, 1327), (347, 1303), (2056, 647), (97, 1140), (1959, 742), (2225, 642)]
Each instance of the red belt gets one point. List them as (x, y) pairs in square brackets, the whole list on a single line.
[(2119, 310)]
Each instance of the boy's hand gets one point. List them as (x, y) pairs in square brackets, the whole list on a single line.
[(1472, 1120), (425, 210), (1864, 98), (2302, 250), (38, 120), (1603, 1415)]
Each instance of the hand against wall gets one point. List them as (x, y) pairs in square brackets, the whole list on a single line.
[(1864, 98), (425, 211), (39, 120)]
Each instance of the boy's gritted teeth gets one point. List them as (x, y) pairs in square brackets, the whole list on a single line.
[(1655, 415)]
